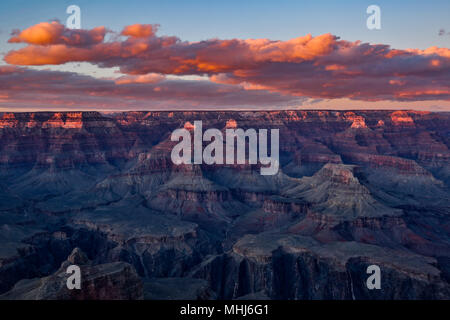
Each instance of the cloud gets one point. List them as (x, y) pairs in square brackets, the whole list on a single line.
[(140, 30), (442, 32), (145, 78), (321, 67), (53, 33), (44, 89)]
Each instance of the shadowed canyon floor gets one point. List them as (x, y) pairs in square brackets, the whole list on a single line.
[(354, 189)]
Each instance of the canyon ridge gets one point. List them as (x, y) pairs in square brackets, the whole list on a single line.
[(354, 188)]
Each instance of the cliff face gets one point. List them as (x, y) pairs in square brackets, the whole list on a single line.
[(353, 189), (295, 267), (111, 281)]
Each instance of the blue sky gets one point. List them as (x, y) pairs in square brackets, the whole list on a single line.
[(405, 24)]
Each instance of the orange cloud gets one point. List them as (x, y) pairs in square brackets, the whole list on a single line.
[(50, 33), (140, 30), (42, 33)]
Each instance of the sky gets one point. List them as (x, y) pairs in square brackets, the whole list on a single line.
[(170, 55)]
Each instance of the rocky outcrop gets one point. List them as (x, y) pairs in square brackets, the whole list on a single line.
[(111, 281), (280, 205), (334, 190)]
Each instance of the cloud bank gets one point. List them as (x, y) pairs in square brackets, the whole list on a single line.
[(321, 67), (23, 88)]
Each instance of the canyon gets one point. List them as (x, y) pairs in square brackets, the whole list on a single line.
[(353, 189)]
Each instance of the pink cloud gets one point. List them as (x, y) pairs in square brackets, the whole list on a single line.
[(37, 89), (145, 78), (323, 67)]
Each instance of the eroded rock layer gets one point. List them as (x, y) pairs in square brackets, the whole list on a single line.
[(354, 189)]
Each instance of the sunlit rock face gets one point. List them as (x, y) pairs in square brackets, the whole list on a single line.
[(354, 188)]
